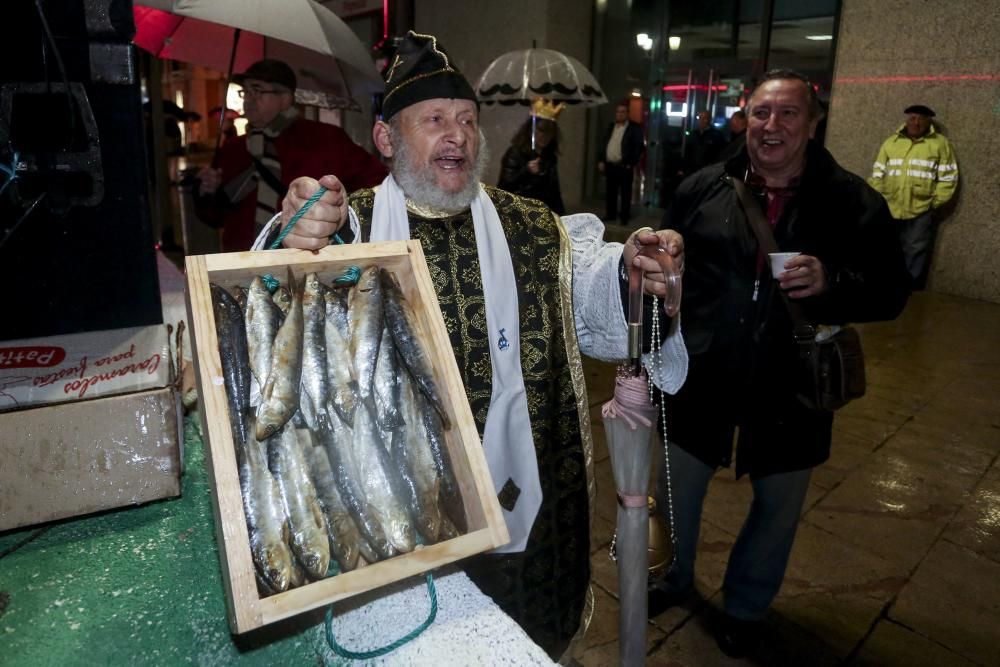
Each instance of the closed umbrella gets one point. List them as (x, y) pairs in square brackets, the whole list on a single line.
[(629, 423)]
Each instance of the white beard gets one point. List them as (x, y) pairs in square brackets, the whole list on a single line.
[(421, 189)]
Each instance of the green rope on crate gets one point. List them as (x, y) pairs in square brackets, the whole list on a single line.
[(349, 277), (385, 650)]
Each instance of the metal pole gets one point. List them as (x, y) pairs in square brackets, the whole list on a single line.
[(684, 123), (708, 97), (225, 92), (160, 208), (766, 19)]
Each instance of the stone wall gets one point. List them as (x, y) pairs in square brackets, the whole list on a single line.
[(894, 53)]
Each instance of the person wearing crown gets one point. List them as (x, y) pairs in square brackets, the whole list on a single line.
[(523, 292), (530, 166)]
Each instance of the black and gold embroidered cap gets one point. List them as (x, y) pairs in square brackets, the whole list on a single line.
[(421, 70), (920, 109), (268, 71)]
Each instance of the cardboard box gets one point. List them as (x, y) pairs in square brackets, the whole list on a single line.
[(487, 530), (76, 458), (57, 369)]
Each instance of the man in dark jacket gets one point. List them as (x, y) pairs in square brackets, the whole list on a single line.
[(739, 336), (620, 153), (704, 144)]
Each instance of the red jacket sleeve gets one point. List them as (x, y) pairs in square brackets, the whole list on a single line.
[(314, 149)]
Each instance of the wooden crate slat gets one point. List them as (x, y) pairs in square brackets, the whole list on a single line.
[(486, 527)]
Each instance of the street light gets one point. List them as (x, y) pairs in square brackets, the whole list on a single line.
[(675, 42), (644, 41)]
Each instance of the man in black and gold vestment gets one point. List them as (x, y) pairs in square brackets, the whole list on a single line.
[(522, 293)]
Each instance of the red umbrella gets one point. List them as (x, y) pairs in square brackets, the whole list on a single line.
[(324, 79)]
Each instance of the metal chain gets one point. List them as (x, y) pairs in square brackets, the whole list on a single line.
[(657, 351), (657, 354)]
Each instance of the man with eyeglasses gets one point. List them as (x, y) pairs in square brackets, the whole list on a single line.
[(254, 170)]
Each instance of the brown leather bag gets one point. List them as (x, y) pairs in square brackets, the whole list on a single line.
[(832, 373)]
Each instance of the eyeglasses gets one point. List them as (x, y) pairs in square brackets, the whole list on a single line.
[(257, 92)]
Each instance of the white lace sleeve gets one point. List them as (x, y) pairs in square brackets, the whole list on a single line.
[(597, 305), (258, 243)]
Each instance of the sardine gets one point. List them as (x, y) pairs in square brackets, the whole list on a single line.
[(366, 329), (282, 298), (240, 296), (315, 385), (232, 337), (262, 317), (402, 323), (299, 577), (448, 529), (337, 439), (411, 455), (450, 495), (379, 481), (337, 310), (346, 542), (343, 387), (388, 385), (265, 515), (309, 538), (280, 395)]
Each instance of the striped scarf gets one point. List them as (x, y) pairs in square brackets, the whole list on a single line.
[(266, 170)]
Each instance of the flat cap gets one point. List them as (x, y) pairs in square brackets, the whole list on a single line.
[(269, 71), (920, 109)]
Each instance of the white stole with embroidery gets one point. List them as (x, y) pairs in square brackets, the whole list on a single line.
[(507, 439)]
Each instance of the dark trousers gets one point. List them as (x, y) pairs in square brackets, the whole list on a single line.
[(916, 235), (619, 184), (759, 557)]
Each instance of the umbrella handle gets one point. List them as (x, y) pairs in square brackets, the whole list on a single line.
[(225, 94)]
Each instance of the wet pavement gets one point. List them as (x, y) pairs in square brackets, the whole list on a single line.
[(897, 559)]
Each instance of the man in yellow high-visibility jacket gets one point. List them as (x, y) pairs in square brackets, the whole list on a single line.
[(916, 172)]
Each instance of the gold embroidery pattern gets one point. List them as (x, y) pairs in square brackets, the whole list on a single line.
[(548, 582)]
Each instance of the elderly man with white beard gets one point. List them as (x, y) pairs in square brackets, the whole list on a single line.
[(522, 293)]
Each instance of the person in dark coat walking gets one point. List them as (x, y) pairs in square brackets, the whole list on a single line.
[(737, 136), (704, 145), (620, 152), (744, 359), (532, 170)]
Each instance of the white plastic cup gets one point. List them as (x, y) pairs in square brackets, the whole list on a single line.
[(778, 260)]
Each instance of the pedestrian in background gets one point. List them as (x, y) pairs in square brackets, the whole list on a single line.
[(530, 166), (620, 152), (917, 174)]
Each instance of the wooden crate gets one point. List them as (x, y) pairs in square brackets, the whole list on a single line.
[(486, 527)]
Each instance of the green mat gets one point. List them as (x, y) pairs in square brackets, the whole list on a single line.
[(135, 586)]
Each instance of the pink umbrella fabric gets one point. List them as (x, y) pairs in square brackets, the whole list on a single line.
[(628, 423)]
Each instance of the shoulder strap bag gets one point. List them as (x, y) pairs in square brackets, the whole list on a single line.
[(834, 367)]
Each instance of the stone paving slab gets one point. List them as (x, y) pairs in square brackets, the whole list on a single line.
[(952, 599), (835, 590), (892, 644)]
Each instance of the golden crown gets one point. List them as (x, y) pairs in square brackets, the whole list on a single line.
[(546, 110)]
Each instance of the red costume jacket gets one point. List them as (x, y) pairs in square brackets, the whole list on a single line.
[(305, 148)]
